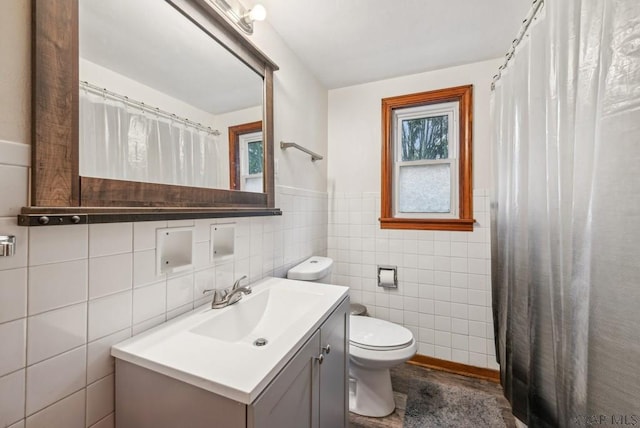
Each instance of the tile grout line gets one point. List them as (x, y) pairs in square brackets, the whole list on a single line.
[(86, 355), (26, 325)]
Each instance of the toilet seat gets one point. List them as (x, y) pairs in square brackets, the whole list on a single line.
[(378, 335)]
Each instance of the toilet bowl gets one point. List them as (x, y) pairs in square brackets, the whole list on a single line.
[(375, 346)]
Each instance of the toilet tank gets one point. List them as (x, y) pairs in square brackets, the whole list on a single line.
[(316, 269)]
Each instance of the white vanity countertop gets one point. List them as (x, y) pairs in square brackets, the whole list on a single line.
[(213, 348)]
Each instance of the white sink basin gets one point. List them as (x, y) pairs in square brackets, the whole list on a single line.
[(214, 348), (262, 314)]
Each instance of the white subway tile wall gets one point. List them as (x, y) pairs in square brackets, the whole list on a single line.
[(71, 292), (12, 351), (12, 397), (443, 293), (68, 412)]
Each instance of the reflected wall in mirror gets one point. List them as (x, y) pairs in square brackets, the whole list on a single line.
[(158, 96), (120, 160)]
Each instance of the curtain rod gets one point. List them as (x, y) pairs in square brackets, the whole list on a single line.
[(145, 107), (531, 16)]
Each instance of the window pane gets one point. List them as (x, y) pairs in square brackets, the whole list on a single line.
[(425, 138), (254, 150), (425, 189), (253, 184)]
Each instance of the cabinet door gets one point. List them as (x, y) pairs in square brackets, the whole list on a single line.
[(290, 401), (334, 369)]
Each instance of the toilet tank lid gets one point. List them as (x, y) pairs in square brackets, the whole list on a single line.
[(311, 269)]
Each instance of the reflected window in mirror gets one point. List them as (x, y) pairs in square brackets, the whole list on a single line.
[(251, 156), (246, 156)]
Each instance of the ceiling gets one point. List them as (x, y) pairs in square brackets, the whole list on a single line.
[(347, 42)]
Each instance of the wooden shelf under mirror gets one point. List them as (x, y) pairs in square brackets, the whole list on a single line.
[(72, 216), (57, 186)]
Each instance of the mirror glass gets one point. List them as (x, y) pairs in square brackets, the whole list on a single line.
[(157, 99)]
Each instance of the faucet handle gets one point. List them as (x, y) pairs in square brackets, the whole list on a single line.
[(237, 283)]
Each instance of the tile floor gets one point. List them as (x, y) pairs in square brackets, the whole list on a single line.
[(401, 377)]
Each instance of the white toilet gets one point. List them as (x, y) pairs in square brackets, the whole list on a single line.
[(374, 347)]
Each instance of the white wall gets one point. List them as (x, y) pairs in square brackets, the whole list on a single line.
[(300, 114), (15, 42), (443, 295), (72, 291), (355, 128)]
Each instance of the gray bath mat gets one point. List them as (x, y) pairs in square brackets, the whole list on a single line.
[(431, 404)]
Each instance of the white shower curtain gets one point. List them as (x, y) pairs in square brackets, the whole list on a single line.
[(122, 142), (565, 207)]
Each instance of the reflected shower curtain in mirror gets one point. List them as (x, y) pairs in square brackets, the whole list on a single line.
[(565, 212), (123, 142)]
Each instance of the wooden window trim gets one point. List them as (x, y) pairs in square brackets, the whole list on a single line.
[(234, 149), (463, 95)]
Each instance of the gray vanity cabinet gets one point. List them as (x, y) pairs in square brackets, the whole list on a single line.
[(334, 370), (311, 391)]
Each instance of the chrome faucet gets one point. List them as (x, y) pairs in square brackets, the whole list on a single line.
[(230, 296)]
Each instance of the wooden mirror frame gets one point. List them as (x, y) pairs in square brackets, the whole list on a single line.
[(56, 184)]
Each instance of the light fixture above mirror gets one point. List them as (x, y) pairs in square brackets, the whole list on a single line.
[(239, 14)]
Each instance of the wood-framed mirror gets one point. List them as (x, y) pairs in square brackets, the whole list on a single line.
[(56, 182)]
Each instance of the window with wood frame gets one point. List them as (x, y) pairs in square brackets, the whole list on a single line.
[(427, 160)]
